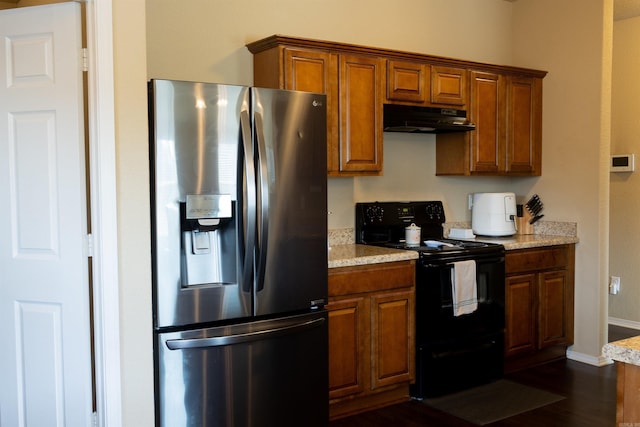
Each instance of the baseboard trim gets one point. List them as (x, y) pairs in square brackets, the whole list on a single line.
[(601, 360), (588, 359), (624, 323)]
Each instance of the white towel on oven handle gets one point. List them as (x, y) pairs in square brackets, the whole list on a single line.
[(464, 288)]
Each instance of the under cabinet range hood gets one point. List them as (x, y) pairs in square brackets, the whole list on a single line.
[(410, 118)]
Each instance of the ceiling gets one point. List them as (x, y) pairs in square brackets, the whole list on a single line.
[(623, 9)]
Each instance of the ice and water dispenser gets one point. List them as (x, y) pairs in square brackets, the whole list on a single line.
[(208, 245)]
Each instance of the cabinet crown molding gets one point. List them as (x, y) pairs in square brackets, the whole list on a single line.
[(299, 42)]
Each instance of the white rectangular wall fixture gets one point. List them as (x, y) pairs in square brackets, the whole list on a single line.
[(622, 163)]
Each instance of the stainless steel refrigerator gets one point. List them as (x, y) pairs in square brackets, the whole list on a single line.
[(239, 241)]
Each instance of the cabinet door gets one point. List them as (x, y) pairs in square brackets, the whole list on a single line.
[(392, 331), (524, 124), (448, 85), (520, 314), (360, 114), (308, 70), (349, 360), (487, 112), (316, 71), (408, 81), (555, 309)]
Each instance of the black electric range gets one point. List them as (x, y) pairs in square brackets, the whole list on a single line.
[(453, 351)]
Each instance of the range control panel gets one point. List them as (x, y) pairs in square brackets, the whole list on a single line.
[(400, 212), (379, 222)]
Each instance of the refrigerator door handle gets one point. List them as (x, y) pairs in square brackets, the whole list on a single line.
[(192, 343), (249, 194), (263, 202)]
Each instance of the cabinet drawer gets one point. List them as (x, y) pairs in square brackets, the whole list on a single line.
[(523, 260), (371, 278)]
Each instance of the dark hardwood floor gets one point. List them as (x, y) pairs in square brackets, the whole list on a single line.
[(590, 399), (619, 333)]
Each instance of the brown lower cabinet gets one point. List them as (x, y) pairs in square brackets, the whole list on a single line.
[(539, 305), (371, 336), (627, 394)]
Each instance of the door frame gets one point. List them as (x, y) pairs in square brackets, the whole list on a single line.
[(102, 173)]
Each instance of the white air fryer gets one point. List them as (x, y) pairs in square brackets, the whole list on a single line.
[(493, 214)]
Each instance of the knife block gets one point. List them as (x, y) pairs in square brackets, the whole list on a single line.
[(522, 223)]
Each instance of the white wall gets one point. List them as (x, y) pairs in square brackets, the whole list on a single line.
[(464, 29), (574, 44), (409, 174), (134, 260), (625, 187), (204, 40)]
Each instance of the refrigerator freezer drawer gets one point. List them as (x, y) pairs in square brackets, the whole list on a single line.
[(263, 373)]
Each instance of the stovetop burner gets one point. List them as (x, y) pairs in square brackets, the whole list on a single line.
[(439, 245), (451, 248), (383, 224)]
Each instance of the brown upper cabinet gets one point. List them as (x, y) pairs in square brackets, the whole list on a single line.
[(352, 83), (507, 112), (360, 113), (408, 82), (524, 125), (504, 102), (420, 83), (488, 113), (448, 86)]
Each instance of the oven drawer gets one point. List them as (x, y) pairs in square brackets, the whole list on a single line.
[(457, 365)]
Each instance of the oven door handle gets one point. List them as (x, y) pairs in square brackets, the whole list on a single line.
[(451, 263)]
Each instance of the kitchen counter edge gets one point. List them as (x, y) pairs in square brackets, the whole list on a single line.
[(354, 254), (527, 241), (627, 350), (346, 255)]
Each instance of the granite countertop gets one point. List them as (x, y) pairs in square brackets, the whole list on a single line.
[(343, 252), (524, 241), (627, 350), (546, 233), (349, 254)]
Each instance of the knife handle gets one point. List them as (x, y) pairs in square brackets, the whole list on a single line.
[(535, 219)]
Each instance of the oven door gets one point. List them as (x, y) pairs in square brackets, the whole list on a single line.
[(435, 320), (457, 352)]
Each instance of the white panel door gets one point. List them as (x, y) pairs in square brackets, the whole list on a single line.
[(45, 359)]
